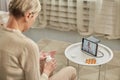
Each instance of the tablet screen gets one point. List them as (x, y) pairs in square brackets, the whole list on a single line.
[(89, 46)]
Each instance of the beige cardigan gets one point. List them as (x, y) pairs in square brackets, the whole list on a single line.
[(19, 57)]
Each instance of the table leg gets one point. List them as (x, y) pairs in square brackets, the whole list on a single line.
[(78, 72), (99, 72), (105, 71)]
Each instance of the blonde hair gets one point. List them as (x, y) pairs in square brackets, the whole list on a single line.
[(18, 7)]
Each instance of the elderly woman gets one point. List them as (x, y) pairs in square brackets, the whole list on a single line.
[(19, 55)]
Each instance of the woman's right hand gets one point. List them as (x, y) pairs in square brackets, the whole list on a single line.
[(49, 67)]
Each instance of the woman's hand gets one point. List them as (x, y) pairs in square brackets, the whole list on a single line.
[(44, 54), (52, 53), (49, 67)]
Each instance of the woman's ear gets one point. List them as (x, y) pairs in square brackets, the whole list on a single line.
[(28, 15)]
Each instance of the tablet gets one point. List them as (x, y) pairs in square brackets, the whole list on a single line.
[(89, 46)]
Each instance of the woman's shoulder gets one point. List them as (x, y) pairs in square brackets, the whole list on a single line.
[(30, 47), (29, 43)]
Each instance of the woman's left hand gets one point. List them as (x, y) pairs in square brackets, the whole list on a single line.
[(52, 53), (43, 54)]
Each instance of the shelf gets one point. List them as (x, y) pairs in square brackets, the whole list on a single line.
[(63, 20), (63, 9), (63, 17), (56, 22)]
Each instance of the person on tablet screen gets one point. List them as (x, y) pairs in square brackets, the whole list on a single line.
[(91, 47), (87, 46)]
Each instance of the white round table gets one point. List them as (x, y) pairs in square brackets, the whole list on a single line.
[(74, 54)]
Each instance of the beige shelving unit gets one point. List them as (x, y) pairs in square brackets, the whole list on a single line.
[(61, 14), (66, 15), (85, 16), (105, 20)]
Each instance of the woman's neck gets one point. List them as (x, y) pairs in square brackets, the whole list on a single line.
[(15, 24)]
